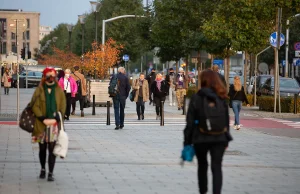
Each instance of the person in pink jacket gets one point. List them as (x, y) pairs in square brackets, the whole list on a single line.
[(68, 84)]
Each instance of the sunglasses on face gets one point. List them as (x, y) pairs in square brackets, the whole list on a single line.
[(50, 77)]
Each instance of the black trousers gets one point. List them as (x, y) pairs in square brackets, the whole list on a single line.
[(140, 106), (81, 103), (68, 101), (43, 154), (216, 152), (6, 90), (157, 101)]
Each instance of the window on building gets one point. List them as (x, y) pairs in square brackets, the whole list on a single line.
[(28, 35), (13, 47), (3, 48), (28, 23), (13, 36)]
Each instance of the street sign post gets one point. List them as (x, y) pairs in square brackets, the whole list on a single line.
[(273, 39), (297, 46), (125, 58), (297, 53)]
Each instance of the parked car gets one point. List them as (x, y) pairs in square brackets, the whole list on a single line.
[(287, 87), (260, 80), (232, 74), (34, 78), (250, 85)]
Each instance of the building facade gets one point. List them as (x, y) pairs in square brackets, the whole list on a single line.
[(18, 28), (44, 30)]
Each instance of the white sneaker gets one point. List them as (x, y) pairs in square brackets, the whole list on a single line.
[(170, 104), (238, 127), (174, 104), (234, 126)]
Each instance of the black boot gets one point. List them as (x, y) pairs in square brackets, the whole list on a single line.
[(139, 117), (82, 113), (50, 177), (143, 117), (43, 174)]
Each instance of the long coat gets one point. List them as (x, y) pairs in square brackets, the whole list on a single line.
[(5, 79), (145, 87), (38, 103), (76, 75)]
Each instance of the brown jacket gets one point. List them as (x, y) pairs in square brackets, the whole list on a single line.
[(145, 88), (80, 76), (38, 102), (5, 78)]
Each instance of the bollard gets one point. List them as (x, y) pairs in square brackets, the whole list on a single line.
[(162, 114), (295, 103), (184, 105), (94, 104), (108, 113)]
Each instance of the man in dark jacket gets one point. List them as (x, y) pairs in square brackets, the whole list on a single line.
[(215, 68), (120, 99), (151, 78)]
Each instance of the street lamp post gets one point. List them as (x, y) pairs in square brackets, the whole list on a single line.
[(70, 28), (95, 5), (287, 47), (82, 21)]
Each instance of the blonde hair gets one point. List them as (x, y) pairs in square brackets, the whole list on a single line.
[(159, 75), (67, 71), (237, 83)]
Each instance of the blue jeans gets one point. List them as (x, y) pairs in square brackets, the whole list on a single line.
[(119, 106), (236, 107)]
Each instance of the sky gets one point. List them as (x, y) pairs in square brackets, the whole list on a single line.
[(53, 12)]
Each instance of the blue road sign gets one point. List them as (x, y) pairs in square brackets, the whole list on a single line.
[(297, 46), (298, 62), (125, 58), (283, 63), (218, 62), (273, 39)]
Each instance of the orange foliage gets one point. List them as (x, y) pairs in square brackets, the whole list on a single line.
[(61, 58), (101, 58)]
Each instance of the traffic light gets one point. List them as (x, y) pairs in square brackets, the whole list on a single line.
[(23, 53), (29, 54)]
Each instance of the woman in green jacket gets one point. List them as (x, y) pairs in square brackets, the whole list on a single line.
[(48, 99)]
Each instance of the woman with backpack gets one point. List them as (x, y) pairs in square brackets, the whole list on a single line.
[(141, 88), (47, 100), (237, 97), (160, 89), (207, 128)]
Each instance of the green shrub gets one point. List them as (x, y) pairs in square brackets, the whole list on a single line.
[(266, 103)]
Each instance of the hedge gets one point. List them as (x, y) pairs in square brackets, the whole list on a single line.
[(266, 103), (191, 91)]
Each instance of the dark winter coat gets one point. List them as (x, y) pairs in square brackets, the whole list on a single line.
[(164, 89)]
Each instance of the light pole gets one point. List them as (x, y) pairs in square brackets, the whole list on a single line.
[(287, 47), (82, 21), (70, 28), (95, 5)]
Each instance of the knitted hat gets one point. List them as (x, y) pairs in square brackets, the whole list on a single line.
[(47, 70)]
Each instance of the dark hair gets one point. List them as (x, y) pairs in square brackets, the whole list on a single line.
[(60, 74), (171, 69), (76, 68), (211, 79), (142, 74)]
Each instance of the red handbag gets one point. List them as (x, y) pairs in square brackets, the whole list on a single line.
[(9, 79)]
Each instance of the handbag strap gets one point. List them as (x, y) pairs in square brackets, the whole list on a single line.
[(61, 121)]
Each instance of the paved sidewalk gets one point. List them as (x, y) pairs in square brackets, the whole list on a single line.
[(145, 160)]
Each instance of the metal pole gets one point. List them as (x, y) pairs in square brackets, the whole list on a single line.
[(18, 67), (108, 113), (286, 74), (26, 59), (162, 116), (94, 104), (184, 105), (141, 63), (103, 32), (96, 38), (70, 34), (82, 40), (295, 103)]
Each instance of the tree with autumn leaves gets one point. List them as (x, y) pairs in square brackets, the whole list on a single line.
[(99, 59)]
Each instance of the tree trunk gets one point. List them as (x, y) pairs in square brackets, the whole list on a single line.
[(245, 70)]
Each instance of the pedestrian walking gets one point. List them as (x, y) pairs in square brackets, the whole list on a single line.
[(181, 86), (6, 79), (141, 95), (60, 74), (48, 99), (171, 79), (151, 78), (121, 83), (81, 91), (215, 68), (68, 84), (237, 97), (207, 129), (160, 89)]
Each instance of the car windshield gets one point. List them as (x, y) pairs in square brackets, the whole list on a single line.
[(38, 74), (287, 83)]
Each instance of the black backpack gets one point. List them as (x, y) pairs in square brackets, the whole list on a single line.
[(113, 86), (79, 88), (212, 116)]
